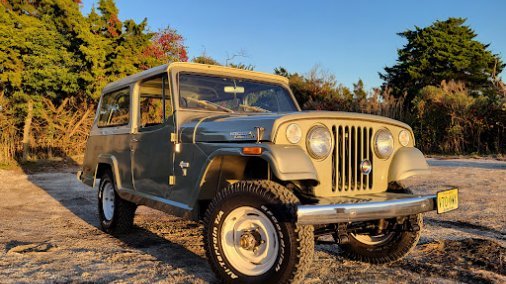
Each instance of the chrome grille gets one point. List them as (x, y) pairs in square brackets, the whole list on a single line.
[(352, 146)]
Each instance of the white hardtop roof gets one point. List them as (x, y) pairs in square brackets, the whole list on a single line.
[(135, 77), (192, 66)]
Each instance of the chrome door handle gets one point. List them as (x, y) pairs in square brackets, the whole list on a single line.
[(184, 167), (132, 142)]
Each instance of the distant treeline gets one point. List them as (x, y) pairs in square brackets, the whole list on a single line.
[(446, 119), (54, 61), (445, 84)]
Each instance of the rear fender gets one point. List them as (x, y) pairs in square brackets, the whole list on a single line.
[(112, 162)]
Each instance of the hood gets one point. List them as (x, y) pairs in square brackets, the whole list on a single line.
[(228, 128), (242, 127)]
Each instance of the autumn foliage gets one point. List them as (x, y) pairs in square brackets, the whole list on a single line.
[(166, 46)]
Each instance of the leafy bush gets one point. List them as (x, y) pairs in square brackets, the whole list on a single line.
[(55, 61)]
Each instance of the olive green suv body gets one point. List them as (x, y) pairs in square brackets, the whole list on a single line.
[(204, 142)]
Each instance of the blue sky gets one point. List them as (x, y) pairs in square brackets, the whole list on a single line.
[(350, 39)]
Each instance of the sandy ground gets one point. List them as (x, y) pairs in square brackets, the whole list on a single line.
[(48, 233)]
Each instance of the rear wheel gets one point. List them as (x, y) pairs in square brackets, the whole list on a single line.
[(250, 235), (116, 215), (385, 247)]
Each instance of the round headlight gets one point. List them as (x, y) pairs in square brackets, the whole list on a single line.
[(404, 137), (319, 142), (383, 143), (293, 133)]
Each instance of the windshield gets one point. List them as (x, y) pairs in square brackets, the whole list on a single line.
[(232, 95)]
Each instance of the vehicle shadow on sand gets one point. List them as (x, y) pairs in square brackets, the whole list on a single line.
[(58, 180)]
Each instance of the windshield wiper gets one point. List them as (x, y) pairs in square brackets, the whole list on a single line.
[(254, 108), (208, 104)]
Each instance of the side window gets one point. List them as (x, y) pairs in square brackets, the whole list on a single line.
[(155, 104), (115, 107)]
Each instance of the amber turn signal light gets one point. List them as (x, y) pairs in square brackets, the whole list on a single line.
[(252, 150)]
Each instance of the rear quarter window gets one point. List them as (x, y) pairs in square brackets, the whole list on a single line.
[(115, 109)]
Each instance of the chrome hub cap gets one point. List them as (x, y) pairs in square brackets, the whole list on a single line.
[(108, 201), (249, 241)]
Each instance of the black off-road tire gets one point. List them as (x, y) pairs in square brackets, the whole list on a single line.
[(392, 250), (124, 211), (296, 242)]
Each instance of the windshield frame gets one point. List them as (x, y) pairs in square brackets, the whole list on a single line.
[(176, 90)]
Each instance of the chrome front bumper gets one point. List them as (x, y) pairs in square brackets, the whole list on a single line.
[(364, 208)]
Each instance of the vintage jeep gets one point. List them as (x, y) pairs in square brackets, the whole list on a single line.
[(232, 148)]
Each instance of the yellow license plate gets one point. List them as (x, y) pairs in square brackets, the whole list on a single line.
[(447, 200)]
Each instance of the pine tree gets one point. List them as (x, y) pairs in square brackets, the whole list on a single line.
[(446, 50)]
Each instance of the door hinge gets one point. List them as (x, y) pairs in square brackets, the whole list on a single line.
[(172, 180), (173, 137)]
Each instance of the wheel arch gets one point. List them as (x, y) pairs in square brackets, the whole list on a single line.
[(227, 168), (104, 163), (280, 163)]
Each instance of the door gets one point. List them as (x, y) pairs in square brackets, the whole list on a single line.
[(152, 151), (112, 133)]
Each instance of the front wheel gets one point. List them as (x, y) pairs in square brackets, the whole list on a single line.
[(250, 234), (387, 247)]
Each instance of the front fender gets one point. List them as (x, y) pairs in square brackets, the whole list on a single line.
[(287, 162), (407, 161), (290, 163)]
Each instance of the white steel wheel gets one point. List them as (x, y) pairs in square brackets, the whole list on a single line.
[(249, 241), (108, 197), (251, 237)]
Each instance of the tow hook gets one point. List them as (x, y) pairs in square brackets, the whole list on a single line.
[(410, 224), (413, 224), (341, 234)]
